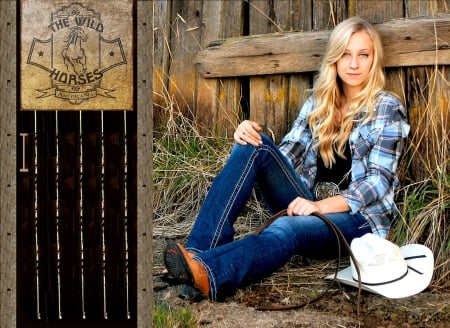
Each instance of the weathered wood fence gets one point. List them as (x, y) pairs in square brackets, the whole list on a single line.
[(221, 61)]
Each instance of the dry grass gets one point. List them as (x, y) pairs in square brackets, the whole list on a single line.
[(424, 199), (185, 162)]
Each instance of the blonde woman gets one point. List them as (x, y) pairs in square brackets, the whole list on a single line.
[(339, 159)]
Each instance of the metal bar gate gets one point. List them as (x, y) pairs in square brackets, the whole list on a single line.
[(76, 217)]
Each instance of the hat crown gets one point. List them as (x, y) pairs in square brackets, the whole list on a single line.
[(379, 260)]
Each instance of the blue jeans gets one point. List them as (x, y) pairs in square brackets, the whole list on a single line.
[(232, 264)]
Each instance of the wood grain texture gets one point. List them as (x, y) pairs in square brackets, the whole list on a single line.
[(8, 168), (407, 42), (269, 95), (144, 163), (161, 53), (217, 101), (427, 95), (376, 11)]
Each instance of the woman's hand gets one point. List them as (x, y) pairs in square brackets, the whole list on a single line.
[(302, 206), (248, 133)]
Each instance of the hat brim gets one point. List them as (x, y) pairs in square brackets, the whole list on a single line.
[(416, 280)]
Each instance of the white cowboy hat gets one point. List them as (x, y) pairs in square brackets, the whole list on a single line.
[(387, 269)]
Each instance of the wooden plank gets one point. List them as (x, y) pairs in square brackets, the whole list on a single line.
[(298, 83), (228, 110), (327, 14), (161, 54), (184, 44), (206, 89), (144, 164), (427, 93), (262, 17), (407, 42), (229, 94), (8, 105), (271, 105), (414, 8), (376, 11), (275, 100), (263, 20), (299, 90), (300, 13), (269, 94), (217, 101)]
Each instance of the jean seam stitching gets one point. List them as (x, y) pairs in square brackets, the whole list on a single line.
[(232, 199)]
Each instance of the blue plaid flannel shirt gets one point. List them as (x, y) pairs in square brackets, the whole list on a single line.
[(376, 147)]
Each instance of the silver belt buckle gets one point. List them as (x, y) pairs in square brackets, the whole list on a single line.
[(324, 190)]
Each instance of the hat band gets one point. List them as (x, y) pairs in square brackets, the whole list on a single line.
[(384, 282), (397, 279), (413, 258)]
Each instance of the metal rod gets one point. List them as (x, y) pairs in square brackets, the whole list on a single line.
[(58, 246), (102, 223), (36, 220), (81, 241)]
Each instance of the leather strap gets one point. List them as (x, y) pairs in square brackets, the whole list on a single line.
[(340, 240), (270, 221)]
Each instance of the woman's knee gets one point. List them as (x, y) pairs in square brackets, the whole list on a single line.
[(284, 228)]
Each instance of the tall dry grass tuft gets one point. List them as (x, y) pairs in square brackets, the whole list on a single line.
[(424, 199), (184, 165)]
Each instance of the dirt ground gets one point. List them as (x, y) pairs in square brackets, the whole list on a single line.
[(299, 282)]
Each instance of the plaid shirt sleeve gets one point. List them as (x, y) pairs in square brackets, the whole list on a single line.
[(296, 146)]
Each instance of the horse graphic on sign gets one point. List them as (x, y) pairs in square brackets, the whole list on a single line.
[(73, 54)]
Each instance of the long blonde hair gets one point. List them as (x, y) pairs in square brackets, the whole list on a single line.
[(327, 125)]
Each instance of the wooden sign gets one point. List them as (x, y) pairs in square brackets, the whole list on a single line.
[(76, 55)]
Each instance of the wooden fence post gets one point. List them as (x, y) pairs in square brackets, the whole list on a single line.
[(144, 163), (8, 168)]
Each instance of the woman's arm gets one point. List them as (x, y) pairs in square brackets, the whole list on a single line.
[(302, 206)]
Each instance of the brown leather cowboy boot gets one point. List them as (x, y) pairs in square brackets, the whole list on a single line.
[(182, 266)]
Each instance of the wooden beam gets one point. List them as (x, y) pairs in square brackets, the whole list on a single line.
[(407, 42), (144, 164), (8, 167)]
